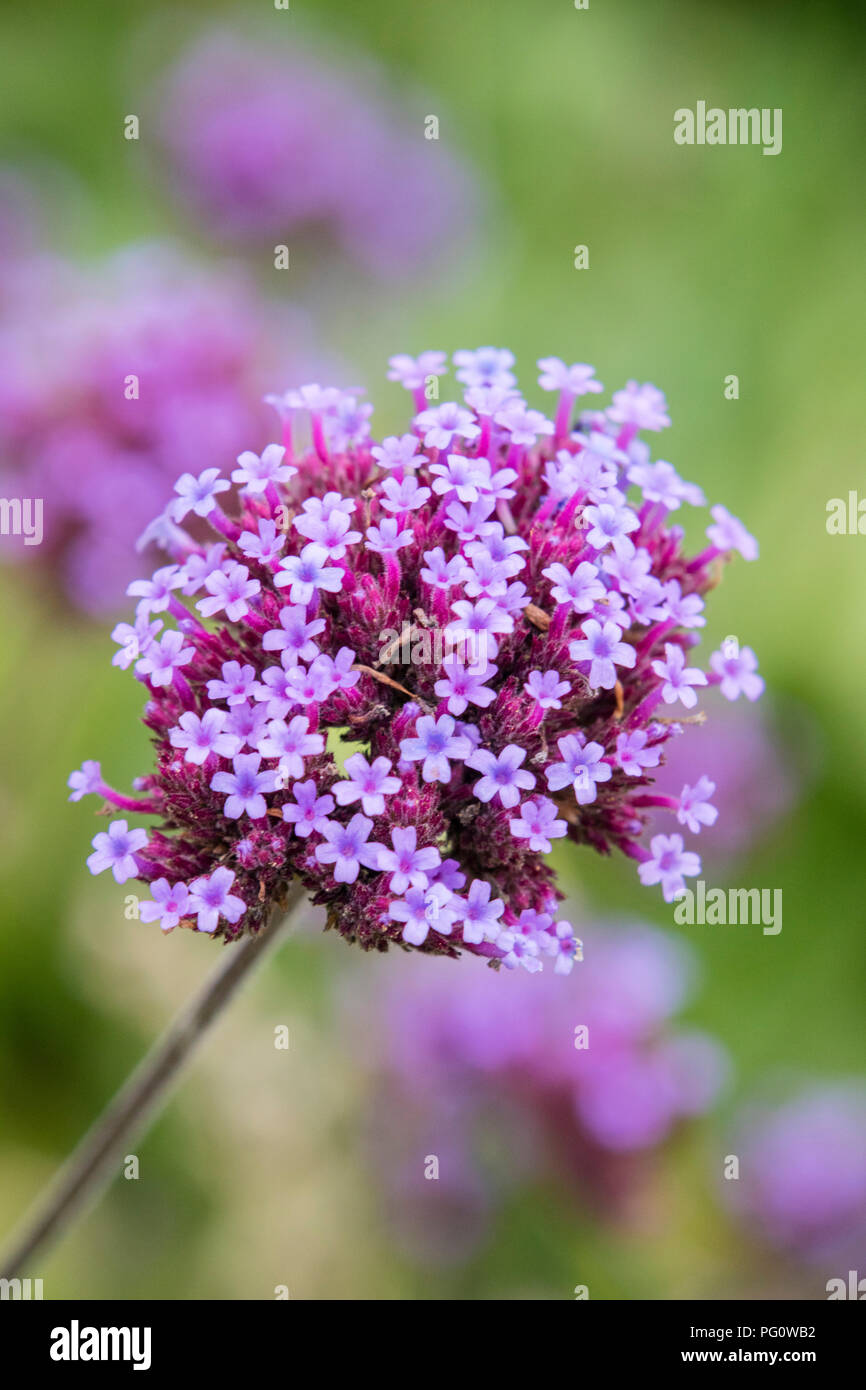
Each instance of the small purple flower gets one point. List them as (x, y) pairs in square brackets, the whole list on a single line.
[(695, 809), (519, 950), (479, 915), (309, 812), (565, 948), (244, 787), (163, 657), (643, 406), (522, 424), (307, 573), (412, 372), (133, 641), (247, 723), (737, 674), (582, 588), (115, 849), (502, 774), (462, 685), (294, 636), (265, 544), (155, 593), (290, 744), (576, 380), (603, 646), (610, 525), (400, 453), (436, 742), (441, 573), (462, 476), (387, 539), (425, 909), (257, 471), (407, 865), (486, 366), (87, 781), (546, 688), (330, 530), (236, 684), (368, 783), (679, 679), (210, 899), (581, 767), (538, 824), (170, 903), (729, 533), (229, 590), (633, 755), (440, 424), (203, 736), (403, 496), (347, 849), (669, 864), (198, 494)]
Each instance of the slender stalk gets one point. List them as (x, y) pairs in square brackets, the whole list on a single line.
[(89, 1166)]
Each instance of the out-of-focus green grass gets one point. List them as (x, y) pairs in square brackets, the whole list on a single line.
[(703, 262)]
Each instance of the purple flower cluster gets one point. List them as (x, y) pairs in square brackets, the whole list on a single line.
[(802, 1179), (263, 141), (111, 380), (512, 1080), (506, 534)]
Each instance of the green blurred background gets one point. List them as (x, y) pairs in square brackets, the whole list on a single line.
[(703, 262)]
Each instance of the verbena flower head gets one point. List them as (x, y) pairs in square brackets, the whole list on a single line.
[(488, 651), (113, 380), (580, 1084), (262, 142)]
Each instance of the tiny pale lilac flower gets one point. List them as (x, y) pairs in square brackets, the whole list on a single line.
[(546, 688), (200, 737), (462, 686), (477, 623), (610, 526), (604, 648), (399, 453), (582, 588), (277, 691), (435, 742), (479, 915), (347, 849), (669, 865), (502, 774), (519, 951), (441, 573), (471, 522), (538, 824), (247, 724), (684, 610), (695, 809), (424, 909), (412, 372), (290, 744), (308, 573), (85, 781), (459, 475), (440, 424), (229, 590), (236, 684), (133, 641), (169, 903), (342, 669), (486, 366), (210, 899), (581, 767), (679, 679), (197, 567), (729, 533), (633, 755), (449, 874), (244, 787), (257, 471), (629, 571), (263, 545), (329, 529), (407, 865), (309, 811), (115, 849), (198, 494), (565, 948), (163, 657), (403, 496), (313, 685), (294, 637), (576, 380), (155, 593), (737, 675), (387, 539), (368, 783), (522, 424), (643, 406)]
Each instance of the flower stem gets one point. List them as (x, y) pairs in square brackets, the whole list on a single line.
[(90, 1165)]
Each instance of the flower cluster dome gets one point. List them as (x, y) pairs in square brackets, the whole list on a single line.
[(494, 609)]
